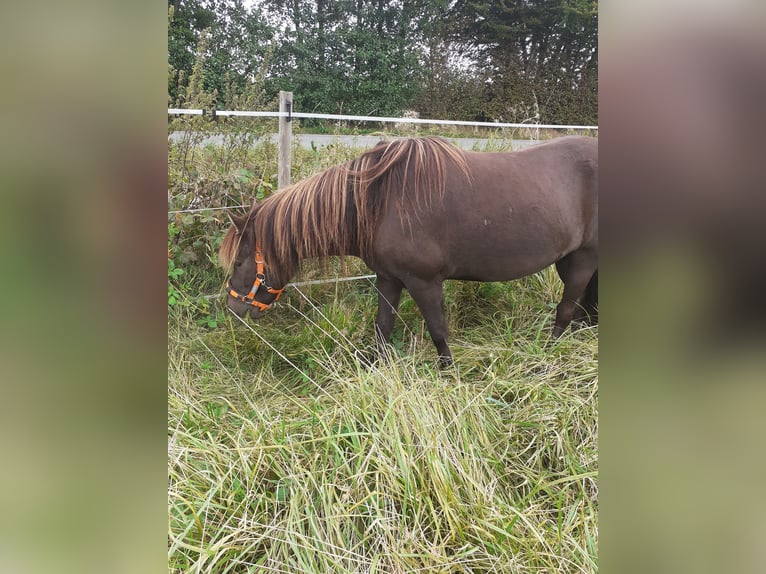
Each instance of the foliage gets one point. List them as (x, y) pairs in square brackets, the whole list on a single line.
[(285, 455), (355, 57), (213, 163), (236, 49), (185, 23), (537, 57), (515, 61)]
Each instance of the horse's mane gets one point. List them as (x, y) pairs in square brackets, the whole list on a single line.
[(336, 211)]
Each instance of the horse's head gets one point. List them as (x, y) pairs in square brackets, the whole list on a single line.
[(248, 287)]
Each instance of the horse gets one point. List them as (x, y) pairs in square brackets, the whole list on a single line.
[(419, 211)]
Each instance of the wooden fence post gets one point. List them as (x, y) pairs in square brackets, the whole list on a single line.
[(285, 138)]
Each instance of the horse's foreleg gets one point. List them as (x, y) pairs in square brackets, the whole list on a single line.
[(428, 297), (575, 270), (389, 293)]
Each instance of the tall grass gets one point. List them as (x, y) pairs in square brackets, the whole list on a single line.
[(285, 455)]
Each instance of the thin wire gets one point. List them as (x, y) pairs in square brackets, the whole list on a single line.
[(316, 309), (209, 209), (325, 281), (302, 283), (288, 361), (368, 277), (396, 311), (218, 361), (338, 280)]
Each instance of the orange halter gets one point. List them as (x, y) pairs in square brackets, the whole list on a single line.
[(260, 279)]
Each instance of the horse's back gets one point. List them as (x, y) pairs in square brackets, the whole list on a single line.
[(548, 191), (520, 212), (546, 166)]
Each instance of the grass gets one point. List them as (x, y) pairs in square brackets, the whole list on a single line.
[(296, 459)]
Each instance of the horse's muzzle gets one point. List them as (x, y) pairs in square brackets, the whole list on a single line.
[(242, 309), (256, 313)]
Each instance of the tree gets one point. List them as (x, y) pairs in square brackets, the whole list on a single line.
[(355, 56), (237, 50), (537, 55), (516, 60), (186, 20)]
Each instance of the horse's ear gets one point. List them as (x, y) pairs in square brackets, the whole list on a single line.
[(238, 221)]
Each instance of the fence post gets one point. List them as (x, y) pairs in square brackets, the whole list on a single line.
[(285, 138)]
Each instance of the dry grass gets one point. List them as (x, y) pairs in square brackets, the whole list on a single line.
[(323, 466)]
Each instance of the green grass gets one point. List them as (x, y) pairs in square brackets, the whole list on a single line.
[(296, 459)]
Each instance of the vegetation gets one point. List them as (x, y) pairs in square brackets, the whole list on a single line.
[(284, 455), (295, 459), (535, 60)]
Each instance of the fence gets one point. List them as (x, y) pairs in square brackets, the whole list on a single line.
[(286, 115)]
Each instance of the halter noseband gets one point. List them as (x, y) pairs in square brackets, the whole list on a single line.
[(260, 279)]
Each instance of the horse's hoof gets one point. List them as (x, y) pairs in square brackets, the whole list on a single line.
[(446, 362)]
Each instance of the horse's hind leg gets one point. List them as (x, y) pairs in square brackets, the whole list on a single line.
[(586, 311), (576, 271), (590, 301)]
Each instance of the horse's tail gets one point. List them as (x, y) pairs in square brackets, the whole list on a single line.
[(590, 300)]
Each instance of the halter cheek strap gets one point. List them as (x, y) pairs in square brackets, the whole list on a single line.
[(260, 279)]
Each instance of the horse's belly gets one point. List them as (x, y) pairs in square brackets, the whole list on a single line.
[(503, 256), (497, 268)]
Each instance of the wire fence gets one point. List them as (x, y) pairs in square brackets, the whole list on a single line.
[(345, 117), (203, 209), (312, 282)]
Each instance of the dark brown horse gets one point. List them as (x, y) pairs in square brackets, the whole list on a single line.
[(419, 211)]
